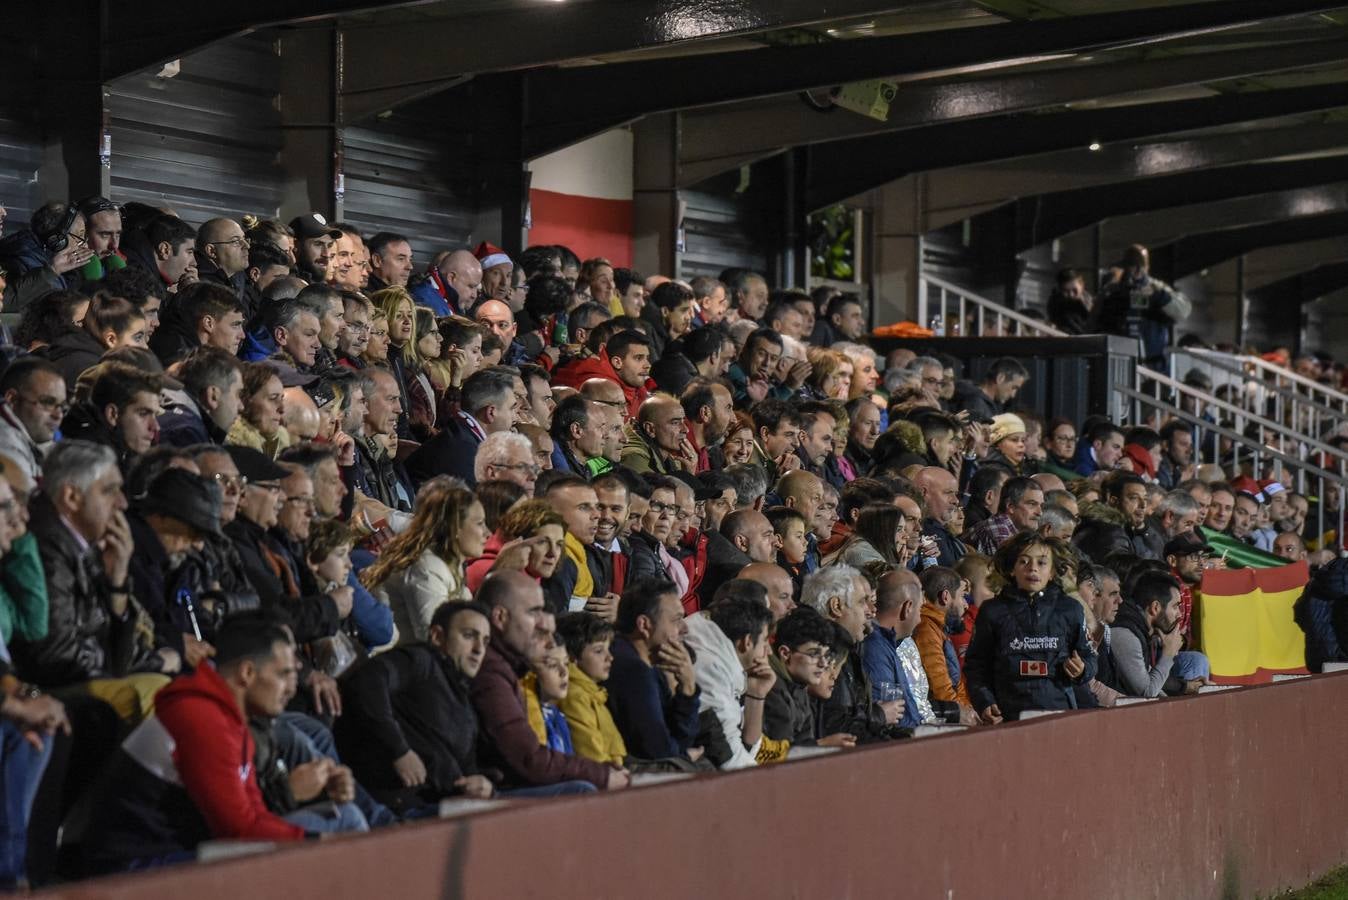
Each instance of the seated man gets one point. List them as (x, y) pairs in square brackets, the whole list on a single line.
[(730, 643), (86, 547), (801, 657), (1146, 637), (178, 780), (407, 727), (891, 658), (122, 412), (656, 722), (515, 604), (835, 593), (1021, 502), (213, 388), (943, 603)]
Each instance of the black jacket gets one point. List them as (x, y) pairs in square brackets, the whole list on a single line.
[(952, 551), (1020, 643), (724, 561), (410, 698), (72, 353), (645, 559), (380, 477), (1068, 315), (312, 617), (451, 452), (83, 423), (851, 709), (969, 396), (176, 336), (84, 639)]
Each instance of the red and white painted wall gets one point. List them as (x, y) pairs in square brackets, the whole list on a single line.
[(582, 197)]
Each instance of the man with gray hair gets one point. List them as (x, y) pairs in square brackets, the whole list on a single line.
[(751, 485), (1056, 522), (85, 544), (1177, 513), (294, 326), (487, 406), (836, 593), (507, 456), (929, 372)]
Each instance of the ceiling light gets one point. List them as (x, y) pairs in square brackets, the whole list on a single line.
[(1094, 146)]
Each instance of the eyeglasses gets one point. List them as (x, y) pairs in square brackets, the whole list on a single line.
[(818, 654), (232, 484), (50, 404), (232, 242), (661, 509), (79, 239)]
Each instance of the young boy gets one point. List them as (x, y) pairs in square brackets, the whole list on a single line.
[(976, 570), (544, 688), (802, 657), (594, 735), (942, 602), (790, 527), (328, 556)]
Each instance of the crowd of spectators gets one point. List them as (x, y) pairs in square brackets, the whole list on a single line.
[(302, 535)]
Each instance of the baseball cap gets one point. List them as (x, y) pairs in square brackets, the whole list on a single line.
[(1185, 543), (311, 226)]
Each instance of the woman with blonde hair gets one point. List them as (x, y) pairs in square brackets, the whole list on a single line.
[(830, 375), (396, 304), (422, 567), (421, 390)]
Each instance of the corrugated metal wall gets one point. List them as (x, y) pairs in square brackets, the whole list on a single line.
[(718, 234), (205, 142), (399, 179), (20, 158)]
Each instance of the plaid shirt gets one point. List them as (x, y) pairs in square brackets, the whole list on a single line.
[(991, 533)]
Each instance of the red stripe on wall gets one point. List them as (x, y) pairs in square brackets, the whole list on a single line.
[(588, 225)]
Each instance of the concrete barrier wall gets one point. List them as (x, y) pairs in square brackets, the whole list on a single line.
[(1235, 794)]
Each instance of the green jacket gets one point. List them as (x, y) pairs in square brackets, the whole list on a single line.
[(23, 592)]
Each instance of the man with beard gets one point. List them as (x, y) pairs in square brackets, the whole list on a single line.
[(1127, 493), (940, 492), (1146, 635), (1184, 553), (709, 409)]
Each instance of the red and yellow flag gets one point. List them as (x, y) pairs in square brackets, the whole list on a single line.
[(1246, 626)]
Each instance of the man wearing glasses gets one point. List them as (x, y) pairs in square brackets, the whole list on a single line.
[(45, 256), (222, 254), (34, 404)]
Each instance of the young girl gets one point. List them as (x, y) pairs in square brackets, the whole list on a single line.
[(587, 639)]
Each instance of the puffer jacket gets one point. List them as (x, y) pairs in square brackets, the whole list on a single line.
[(1016, 657), (1322, 613)]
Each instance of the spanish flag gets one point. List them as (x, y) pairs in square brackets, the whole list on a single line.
[(1246, 626)]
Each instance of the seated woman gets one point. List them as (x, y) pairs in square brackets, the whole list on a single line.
[(881, 534), (110, 323), (259, 422), (422, 393), (422, 567), (530, 536)]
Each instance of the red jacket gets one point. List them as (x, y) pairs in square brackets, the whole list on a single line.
[(213, 753), (577, 372), (695, 564)]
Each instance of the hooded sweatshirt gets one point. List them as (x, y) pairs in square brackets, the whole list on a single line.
[(576, 373), (184, 776), (720, 676)]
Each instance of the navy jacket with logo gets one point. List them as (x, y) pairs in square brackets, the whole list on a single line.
[(1020, 643)]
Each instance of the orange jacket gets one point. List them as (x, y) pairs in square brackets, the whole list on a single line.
[(930, 638)]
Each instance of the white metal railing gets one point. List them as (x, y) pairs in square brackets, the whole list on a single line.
[(1238, 383), (1281, 376), (1217, 443), (960, 311), (1257, 432)]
